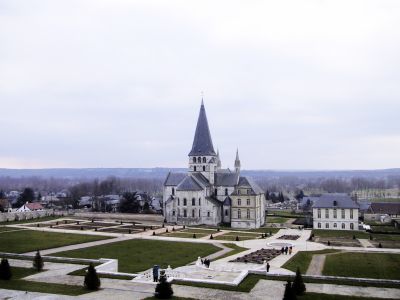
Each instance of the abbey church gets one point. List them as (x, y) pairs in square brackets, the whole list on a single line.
[(208, 194)]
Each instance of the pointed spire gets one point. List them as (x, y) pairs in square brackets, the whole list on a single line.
[(237, 161), (202, 143), (218, 160)]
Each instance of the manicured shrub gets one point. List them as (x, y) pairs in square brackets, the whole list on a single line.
[(154, 233), (166, 230), (173, 228), (5, 270), (211, 237), (380, 245), (194, 235), (163, 288), (298, 285), (92, 280), (329, 243), (354, 237), (38, 262), (237, 238), (289, 293), (129, 231)]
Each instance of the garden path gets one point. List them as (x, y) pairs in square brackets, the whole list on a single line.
[(316, 265), (366, 243)]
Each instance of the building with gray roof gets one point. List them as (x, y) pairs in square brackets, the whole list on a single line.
[(204, 195)]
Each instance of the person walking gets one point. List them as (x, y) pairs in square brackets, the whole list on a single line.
[(268, 266), (290, 250)]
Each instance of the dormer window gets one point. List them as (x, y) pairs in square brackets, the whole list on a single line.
[(199, 159), (204, 160)]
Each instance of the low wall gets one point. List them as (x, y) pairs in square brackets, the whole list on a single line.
[(27, 215), (119, 216), (83, 261)]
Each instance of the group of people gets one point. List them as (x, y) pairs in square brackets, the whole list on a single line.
[(206, 262), (286, 250)]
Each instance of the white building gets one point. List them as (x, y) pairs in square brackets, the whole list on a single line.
[(205, 194), (335, 211), (35, 206)]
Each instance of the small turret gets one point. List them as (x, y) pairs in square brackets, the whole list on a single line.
[(218, 161), (237, 161)]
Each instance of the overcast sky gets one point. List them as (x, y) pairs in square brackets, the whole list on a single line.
[(293, 84)]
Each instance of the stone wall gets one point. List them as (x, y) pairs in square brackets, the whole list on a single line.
[(119, 216), (27, 215)]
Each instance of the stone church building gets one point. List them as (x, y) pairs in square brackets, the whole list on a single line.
[(208, 194)]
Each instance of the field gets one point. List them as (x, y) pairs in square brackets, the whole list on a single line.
[(17, 283), (31, 240), (139, 255), (363, 265), (302, 260)]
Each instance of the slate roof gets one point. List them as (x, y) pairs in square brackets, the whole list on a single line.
[(245, 181), (328, 201), (173, 179), (201, 179), (202, 143), (227, 201), (34, 206), (189, 184), (226, 179), (390, 208)]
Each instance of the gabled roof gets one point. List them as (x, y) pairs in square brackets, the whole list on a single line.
[(201, 179), (335, 200), (389, 208), (227, 201), (247, 182), (202, 143), (173, 179), (189, 184), (34, 206), (226, 179)]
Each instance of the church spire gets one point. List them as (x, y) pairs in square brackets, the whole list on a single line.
[(218, 160), (237, 161), (202, 143)]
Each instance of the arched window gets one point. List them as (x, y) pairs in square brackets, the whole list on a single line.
[(192, 213), (184, 213), (204, 160), (184, 202), (204, 168), (193, 201), (226, 192), (194, 159), (173, 191), (351, 226)]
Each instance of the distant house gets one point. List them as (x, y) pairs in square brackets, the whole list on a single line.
[(5, 205), (35, 206), (382, 211), (335, 211)]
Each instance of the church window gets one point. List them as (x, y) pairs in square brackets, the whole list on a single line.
[(239, 214), (173, 213), (343, 226), (199, 201), (193, 201), (184, 202), (194, 159), (319, 225), (226, 192), (239, 202), (208, 214), (226, 212), (204, 168), (351, 226), (204, 160), (195, 168), (248, 201), (184, 213), (326, 225), (248, 214), (193, 212), (173, 191), (319, 213)]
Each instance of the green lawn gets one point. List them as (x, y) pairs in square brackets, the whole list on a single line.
[(302, 260), (231, 236), (363, 265), (279, 220), (139, 255), (31, 240), (17, 283), (42, 219), (235, 249)]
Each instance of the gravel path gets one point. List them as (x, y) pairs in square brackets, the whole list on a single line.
[(317, 264)]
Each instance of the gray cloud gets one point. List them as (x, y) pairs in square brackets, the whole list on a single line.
[(294, 85)]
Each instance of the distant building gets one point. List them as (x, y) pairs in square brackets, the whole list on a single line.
[(335, 211), (208, 194), (5, 205), (35, 206), (382, 211)]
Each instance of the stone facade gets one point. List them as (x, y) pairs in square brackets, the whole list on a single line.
[(203, 194)]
